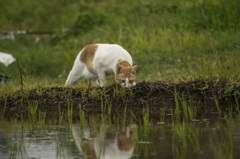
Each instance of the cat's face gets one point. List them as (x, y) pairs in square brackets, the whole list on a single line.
[(125, 76)]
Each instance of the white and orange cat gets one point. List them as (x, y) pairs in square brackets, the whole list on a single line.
[(97, 61)]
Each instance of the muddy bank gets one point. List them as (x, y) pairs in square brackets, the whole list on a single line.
[(156, 95)]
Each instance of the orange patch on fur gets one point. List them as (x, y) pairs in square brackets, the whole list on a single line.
[(87, 55), (127, 71), (124, 143)]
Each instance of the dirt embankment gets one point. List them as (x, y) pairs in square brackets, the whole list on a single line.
[(156, 95)]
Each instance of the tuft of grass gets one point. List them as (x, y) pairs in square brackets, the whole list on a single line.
[(146, 122), (184, 106), (125, 115), (192, 111), (70, 112), (217, 104), (177, 108), (81, 115), (162, 114), (32, 114), (4, 109), (60, 115), (236, 95)]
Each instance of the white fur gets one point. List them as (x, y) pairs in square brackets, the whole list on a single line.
[(103, 64)]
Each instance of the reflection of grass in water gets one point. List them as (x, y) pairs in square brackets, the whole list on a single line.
[(190, 111), (237, 95), (185, 107), (186, 136), (217, 104), (69, 113), (109, 109), (41, 119), (125, 114), (3, 112), (162, 114), (81, 115), (177, 109), (60, 116), (14, 137), (32, 110), (222, 146), (146, 123)]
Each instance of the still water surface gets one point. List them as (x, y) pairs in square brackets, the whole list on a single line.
[(193, 139)]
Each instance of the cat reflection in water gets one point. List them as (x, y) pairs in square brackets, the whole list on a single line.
[(108, 145), (97, 61)]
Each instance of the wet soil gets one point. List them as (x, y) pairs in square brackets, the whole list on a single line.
[(156, 95)]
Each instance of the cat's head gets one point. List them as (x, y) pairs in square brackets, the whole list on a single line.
[(125, 75)]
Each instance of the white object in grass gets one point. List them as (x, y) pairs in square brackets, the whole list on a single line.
[(6, 58)]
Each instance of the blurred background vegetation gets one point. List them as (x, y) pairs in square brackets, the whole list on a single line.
[(168, 40)]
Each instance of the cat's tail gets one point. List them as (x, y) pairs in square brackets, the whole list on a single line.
[(68, 81), (75, 74)]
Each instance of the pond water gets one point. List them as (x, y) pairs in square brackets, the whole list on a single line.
[(201, 138)]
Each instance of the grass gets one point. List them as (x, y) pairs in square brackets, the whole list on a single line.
[(81, 115), (70, 112), (60, 116), (217, 104), (168, 40), (189, 111), (162, 115), (146, 122), (32, 113), (177, 108), (3, 111)]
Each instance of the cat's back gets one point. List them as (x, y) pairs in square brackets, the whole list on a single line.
[(112, 52), (105, 49), (103, 56)]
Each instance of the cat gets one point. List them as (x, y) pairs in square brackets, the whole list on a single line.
[(97, 61)]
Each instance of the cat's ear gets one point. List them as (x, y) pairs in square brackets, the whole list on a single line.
[(134, 69), (119, 69)]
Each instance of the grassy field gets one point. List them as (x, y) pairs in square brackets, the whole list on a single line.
[(168, 40)]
